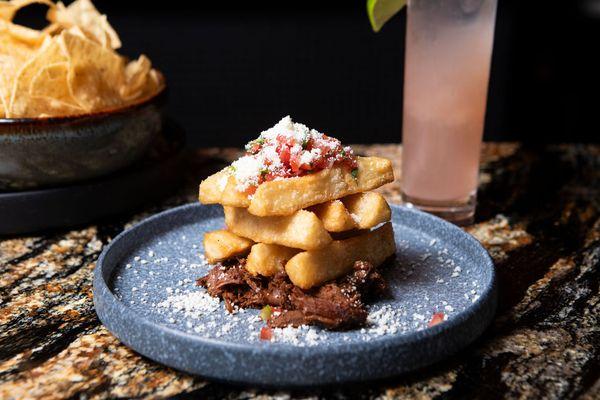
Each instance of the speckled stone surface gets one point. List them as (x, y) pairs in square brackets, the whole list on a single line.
[(539, 217)]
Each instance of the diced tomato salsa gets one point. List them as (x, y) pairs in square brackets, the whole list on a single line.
[(289, 150), (266, 333), (298, 159), (436, 319)]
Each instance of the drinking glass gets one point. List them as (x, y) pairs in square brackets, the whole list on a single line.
[(448, 52)]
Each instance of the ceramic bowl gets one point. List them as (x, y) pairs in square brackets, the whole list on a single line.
[(38, 152)]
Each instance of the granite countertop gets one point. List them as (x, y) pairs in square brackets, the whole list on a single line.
[(538, 215)]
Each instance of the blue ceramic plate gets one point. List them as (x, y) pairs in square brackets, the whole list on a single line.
[(145, 293)]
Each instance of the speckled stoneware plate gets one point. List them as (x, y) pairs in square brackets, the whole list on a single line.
[(145, 293)]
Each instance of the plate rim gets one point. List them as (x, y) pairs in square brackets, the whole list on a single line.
[(104, 298)]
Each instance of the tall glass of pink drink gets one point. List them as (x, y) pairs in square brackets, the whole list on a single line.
[(448, 52)]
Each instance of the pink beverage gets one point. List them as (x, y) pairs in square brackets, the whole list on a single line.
[(448, 52)]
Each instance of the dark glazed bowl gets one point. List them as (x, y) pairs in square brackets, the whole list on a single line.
[(52, 151)]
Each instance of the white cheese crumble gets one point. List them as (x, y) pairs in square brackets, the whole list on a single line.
[(247, 171), (192, 304), (308, 157), (303, 335)]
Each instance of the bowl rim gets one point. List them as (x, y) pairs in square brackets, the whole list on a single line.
[(61, 119)]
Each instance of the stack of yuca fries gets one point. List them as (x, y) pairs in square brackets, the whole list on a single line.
[(313, 227)]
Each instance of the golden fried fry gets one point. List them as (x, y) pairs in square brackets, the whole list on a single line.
[(334, 215), (285, 196), (357, 211), (367, 209), (302, 230), (219, 188), (232, 197), (268, 259), (315, 267), (221, 245), (211, 189)]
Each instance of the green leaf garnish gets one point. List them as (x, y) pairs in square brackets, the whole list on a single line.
[(256, 142), (380, 11), (265, 313), (354, 173)]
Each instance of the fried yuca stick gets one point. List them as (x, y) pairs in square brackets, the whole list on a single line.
[(302, 229), (313, 268), (268, 259), (219, 188), (221, 245), (285, 196), (357, 211), (211, 189), (367, 209), (335, 216)]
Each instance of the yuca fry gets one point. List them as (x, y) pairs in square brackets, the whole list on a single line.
[(285, 196), (211, 189), (334, 216), (232, 197), (221, 245), (268, 259), (367, 209), (219, 188), (357, 211), (302, 230), (313, 268)]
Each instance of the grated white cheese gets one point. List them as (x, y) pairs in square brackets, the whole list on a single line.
[(192, 304), (247, 171), (308, 157), (383, 321), (303, 335)]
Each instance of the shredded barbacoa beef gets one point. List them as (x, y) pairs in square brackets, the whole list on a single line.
[(336, 305)]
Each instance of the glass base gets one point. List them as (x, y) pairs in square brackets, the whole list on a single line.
[(459, 213)]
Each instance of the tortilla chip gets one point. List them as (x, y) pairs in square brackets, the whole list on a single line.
[(51, 53), (96, 73), (52, 81), (17, 35), (83, 14), (8, 9), (68, 68), (139, 80)]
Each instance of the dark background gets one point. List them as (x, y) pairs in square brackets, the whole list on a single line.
[(234, 68)]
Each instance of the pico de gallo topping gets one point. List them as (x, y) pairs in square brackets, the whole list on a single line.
[(287, 150), (437, 318), (266, 333)]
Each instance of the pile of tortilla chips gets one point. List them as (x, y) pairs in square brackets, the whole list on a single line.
[(68, 68)]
